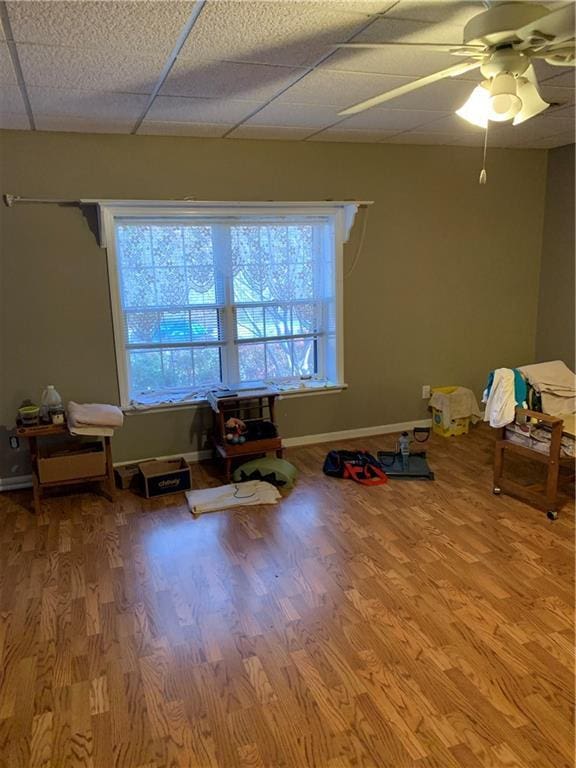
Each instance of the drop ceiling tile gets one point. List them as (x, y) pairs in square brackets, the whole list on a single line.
[(388, 61), (155, 128), (81, 125), (550, 142), (445, 96), (7, 74), (388, 29), (457, 13), (563, 77), (555, 95), (295, 116), (288, 33), (338, 134), (448, 139), (339, 89), (537, 128), (392, 119), (275, 132), (221, 79), (11, 122), (179, 109), (451, 123), (132, 27), (56, 67), (86, 104), (11, 100), (563, 111)]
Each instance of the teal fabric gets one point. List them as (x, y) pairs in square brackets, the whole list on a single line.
[(520, 388)]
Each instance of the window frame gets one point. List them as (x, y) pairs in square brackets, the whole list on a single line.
[(341, 214)]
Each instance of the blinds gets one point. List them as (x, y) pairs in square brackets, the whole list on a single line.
[(225, 300)]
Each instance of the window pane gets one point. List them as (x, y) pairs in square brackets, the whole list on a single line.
[(134, 246), (171, 286), (303, 318), (205, 324), (167, 246), (138, 288), (175, 327), (278, 320), (197, 246), (207, 369), (178, 368), (146, 370), (304, 352), (279, 359), (142, 327), (252, 362), (272, 262), (250, 322)]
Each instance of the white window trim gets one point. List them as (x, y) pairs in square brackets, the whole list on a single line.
[(343, 214)]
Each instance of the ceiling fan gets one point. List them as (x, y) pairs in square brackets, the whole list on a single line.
[(502, 41)]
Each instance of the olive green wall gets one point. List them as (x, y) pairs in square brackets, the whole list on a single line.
[(556, 309), (446, 287)]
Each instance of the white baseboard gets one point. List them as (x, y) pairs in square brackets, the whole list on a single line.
[(352, 434), (25, 481)]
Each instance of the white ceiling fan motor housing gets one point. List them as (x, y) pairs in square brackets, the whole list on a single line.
[(498, 24)]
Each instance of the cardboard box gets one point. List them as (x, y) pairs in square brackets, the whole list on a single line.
[(162, 477), (127, 476), (85, 460)]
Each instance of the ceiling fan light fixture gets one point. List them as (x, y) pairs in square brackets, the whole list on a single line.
[(532, 102), (477, 107), (504, 101)]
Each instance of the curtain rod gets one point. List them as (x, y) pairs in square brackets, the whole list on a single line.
[(11, 200)]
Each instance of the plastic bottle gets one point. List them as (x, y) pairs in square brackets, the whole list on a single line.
[(51, 401), (404, 444)]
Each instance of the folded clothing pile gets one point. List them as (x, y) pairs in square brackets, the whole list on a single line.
[(94, 419), (246, 494), (557, 385)]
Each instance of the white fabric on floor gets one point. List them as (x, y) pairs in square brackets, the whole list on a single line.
[(246, 494), (557, 385), (456, 405), (501, 402)]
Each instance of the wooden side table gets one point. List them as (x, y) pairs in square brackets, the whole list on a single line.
[(262, 405), (34, 434)]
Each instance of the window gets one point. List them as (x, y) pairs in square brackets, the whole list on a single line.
[(224, 297)]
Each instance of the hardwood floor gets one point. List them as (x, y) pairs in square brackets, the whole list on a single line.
[(421, 625)]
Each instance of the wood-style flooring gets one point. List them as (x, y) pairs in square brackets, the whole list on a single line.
[(416, 625)]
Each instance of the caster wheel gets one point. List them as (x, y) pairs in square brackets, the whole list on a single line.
[(552, 514), (496, 491)]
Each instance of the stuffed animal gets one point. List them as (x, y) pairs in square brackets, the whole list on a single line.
[(235, 429)]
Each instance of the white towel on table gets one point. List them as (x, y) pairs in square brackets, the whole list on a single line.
[(94, 415)]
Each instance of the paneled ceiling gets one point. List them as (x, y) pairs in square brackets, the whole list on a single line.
[(263, 69)]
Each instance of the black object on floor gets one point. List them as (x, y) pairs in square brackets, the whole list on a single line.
[(417, 467)]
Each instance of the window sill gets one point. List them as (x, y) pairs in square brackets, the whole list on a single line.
[(303, 391)]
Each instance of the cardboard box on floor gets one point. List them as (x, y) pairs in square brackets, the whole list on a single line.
[(163, 477)]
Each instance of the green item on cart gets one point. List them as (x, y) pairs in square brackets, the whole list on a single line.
[(278, 472)]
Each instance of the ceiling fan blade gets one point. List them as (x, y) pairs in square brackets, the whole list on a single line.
[(532, 103), (456, 48), (454, 71), (561, 55), (557, 27)]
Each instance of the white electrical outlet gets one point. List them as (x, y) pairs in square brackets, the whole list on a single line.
[(425, 391)]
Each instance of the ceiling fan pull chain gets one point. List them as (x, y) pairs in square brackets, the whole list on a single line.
[(482, 179)]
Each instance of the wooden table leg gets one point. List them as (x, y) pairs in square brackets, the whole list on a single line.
[(36, 491), (110, 486)]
